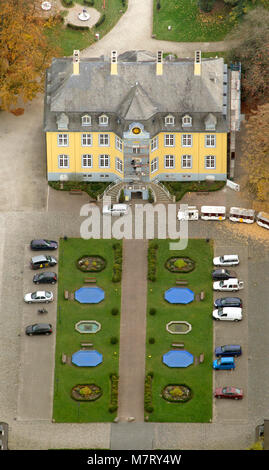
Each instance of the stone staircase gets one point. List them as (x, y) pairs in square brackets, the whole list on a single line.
[(161, 194), (113, 192)]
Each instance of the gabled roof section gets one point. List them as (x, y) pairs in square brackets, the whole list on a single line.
[(137, 105)]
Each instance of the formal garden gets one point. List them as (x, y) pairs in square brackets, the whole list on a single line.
[(87, 337), (178, 383)]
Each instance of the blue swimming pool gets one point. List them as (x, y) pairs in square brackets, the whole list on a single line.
[(85, 358), (175, 358), (179, 295), (89, 295)]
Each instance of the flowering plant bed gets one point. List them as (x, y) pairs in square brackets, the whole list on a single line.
[(89, 392), (90, 264), (177, 393), (180, 265)]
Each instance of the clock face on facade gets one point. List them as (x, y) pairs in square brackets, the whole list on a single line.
[(136, 130)]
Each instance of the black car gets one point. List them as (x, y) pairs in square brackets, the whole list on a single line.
[(229, 350), (43, 245), (223, 274), (228, 302), (43, 261), (45, 278), (39, 329)]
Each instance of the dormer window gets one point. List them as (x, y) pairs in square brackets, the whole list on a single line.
[(186, 121), (210, 122), (62, 121), (103, 120), (86, 120), (169, 120)]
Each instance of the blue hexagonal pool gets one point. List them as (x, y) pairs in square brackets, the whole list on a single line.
[(89, 295), (178, 358), (85, 358), (179, 295)]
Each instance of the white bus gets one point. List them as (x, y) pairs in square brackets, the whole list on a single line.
[(191, 213), (213, 212), (238, 214), (263, 219)]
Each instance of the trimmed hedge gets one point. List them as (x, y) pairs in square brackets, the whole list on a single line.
[(148, 393), (114, 379), (101, 20), (117, 266), (89, 3), (77, 27), (152, 260), (67, 3)]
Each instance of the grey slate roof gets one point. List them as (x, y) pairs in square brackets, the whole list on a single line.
[(136, 93)]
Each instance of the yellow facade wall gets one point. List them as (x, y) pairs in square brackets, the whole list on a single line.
[(198, 151), (75, 150)]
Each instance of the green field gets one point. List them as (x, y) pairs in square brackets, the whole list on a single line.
[(68, 340), (199, 340), (188, 23)]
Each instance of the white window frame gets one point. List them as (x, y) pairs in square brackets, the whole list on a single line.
[(169, 120), (63, 140), (63, 161), (86, 140), (210, 162), (103, 120), (186, 161), (154, 144), (169, 140), (154, 164), (119, 165), (168, 159), (104, 161), (186, 140), (186, 121), (105, 139), (87, 157), (118, 143), (210, 140), (86, 120)]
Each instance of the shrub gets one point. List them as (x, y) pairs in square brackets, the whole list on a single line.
[(117, 266), (158, 5), (152, 311), (90, 3), (101, 20), (148, 393), (114, 311), (122, 197), (67, 3), (114, 379), (152, 260), (150, 196), (114, 340), (151, 340), (77, 27), (206, 5)]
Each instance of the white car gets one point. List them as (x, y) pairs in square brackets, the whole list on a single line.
[(38, 296), (228, 313), (115, 209), (229, 285), (226, 260)]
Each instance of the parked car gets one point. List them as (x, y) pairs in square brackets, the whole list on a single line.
[(43, 261), (228, 314), (231, 285), (223, 274), (45, 278), (39, 329), (38, 296), (229, 392), (234, 350), (228, 302), (115, 209), (43, 245), (226, 260), (224, 363)]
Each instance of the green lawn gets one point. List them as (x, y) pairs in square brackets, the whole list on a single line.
[(188, 23), (199, 340), (67, 39), (68, 339)]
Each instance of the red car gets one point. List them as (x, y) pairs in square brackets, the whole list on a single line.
[(229, 392)]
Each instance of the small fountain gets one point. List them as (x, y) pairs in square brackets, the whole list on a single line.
[(84, 15)]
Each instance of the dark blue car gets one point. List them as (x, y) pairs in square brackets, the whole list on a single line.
[(231, 350), (228, 302)]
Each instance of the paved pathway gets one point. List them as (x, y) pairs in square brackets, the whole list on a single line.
[(134, 32), (133, 330)]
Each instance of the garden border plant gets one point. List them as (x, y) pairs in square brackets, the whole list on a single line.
[(76, 395), (176, 399), (173, 268), (79, 266)]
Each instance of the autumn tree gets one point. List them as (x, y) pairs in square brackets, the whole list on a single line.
[(25, 52), (252, 50), (256, 152)]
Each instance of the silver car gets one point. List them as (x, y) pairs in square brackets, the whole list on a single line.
[(38, 296)]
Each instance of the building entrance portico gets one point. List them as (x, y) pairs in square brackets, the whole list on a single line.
[(136, 154)]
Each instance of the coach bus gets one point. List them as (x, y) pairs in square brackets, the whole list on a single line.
[(238, 214), (263, 219), (213, 212)]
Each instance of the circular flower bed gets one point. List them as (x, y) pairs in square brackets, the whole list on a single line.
[(89, 264), (177, 393), (180, 265), (89, 392)]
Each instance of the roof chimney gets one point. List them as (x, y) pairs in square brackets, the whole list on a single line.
[(197, 63), (114, 63), (75, 62), (159, 64)]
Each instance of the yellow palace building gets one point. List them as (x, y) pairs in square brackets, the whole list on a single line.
[(137, 117)]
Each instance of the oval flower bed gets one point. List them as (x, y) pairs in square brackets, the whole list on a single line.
[(177, 393), (89, 392), (180, 265), (90, 264)]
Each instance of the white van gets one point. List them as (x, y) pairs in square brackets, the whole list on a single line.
[(226, 260), (228, 285), (116, 209), (213, 212), (191, 213)]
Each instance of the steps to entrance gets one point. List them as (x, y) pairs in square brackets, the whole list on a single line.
[(161, 194)]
